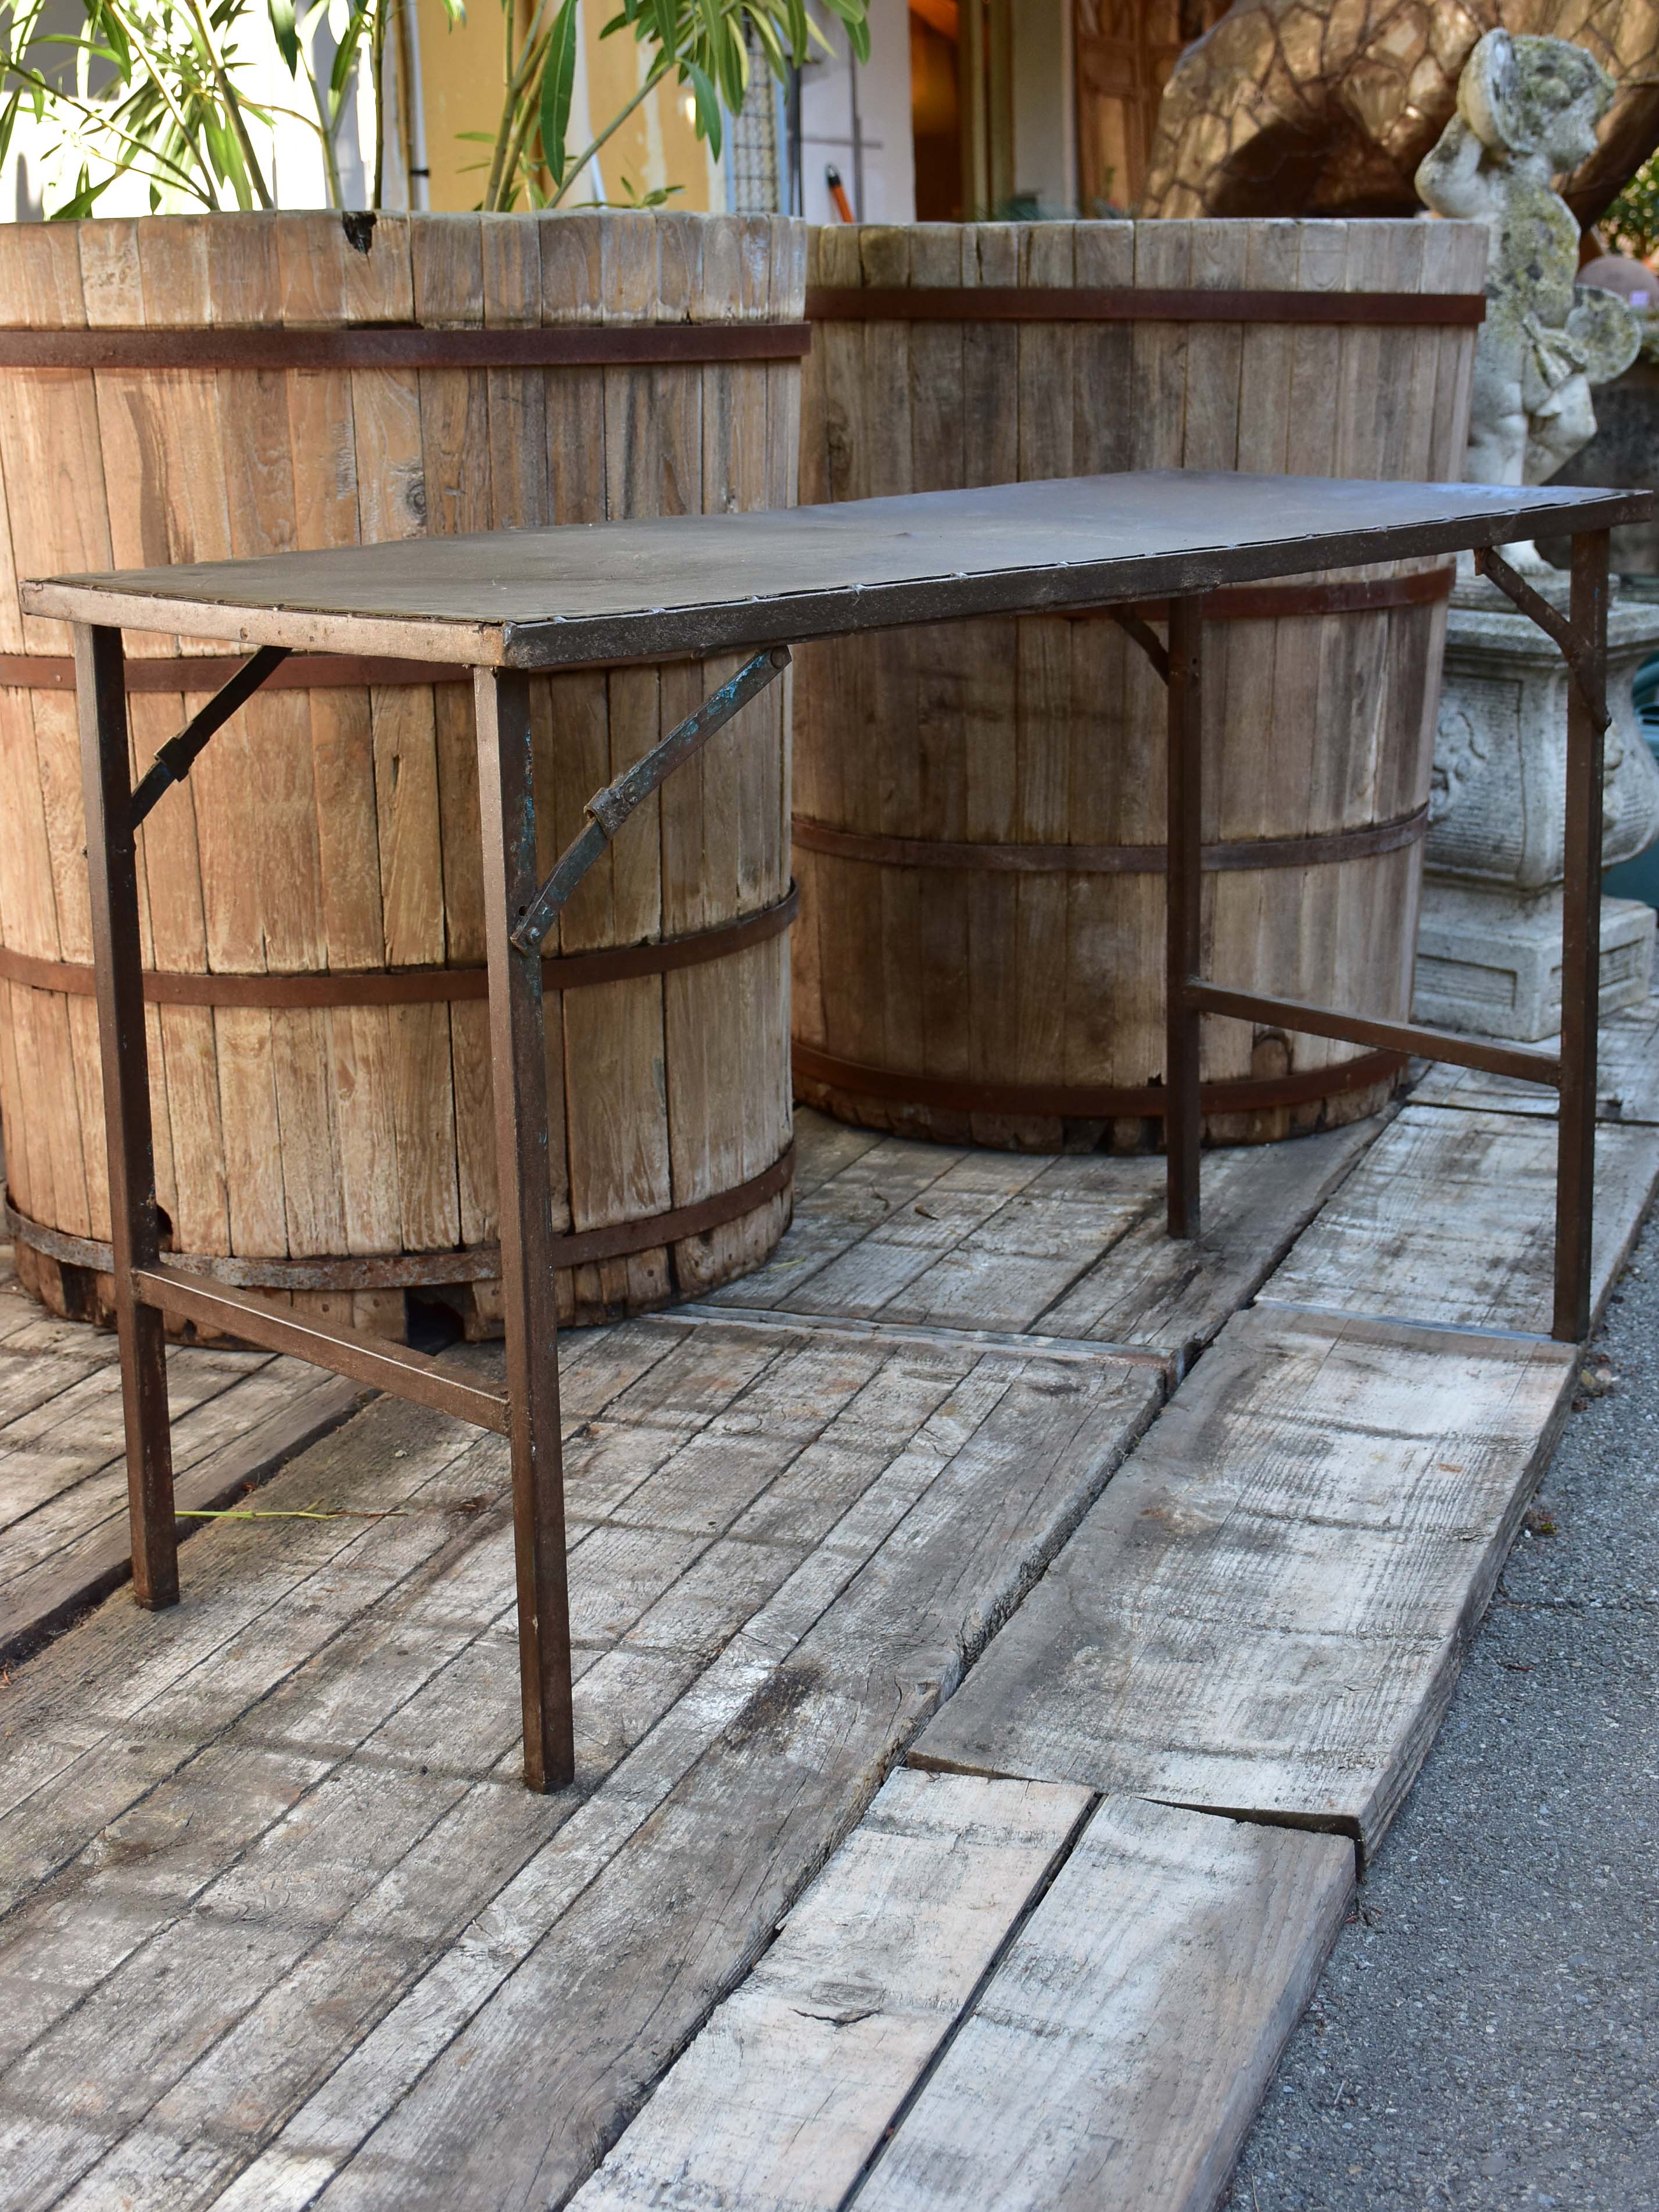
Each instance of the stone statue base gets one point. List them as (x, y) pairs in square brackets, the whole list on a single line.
[(1491, 962), (1489, 944)]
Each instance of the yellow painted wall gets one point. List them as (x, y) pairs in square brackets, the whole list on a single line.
[(461, 69)]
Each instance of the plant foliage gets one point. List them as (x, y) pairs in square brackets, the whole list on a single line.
[(1631, 225), (704, 44), (158, 88)]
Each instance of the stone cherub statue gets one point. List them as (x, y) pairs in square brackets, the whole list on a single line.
[(1528, 110), (1488, 951)]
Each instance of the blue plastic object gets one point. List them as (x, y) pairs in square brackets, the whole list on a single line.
[(1639, 879)]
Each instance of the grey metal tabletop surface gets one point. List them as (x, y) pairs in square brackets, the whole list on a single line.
[(603, 593)]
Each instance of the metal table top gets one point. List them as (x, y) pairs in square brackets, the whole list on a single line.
[(597, 594)]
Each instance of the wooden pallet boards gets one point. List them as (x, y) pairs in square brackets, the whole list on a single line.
[(1449, 1219), (63, 1541), (1073, 1246), (784, 1553), (1119, 2053), (1266, 1611), (788, 2091), (1626, 1075), (914, 2028)]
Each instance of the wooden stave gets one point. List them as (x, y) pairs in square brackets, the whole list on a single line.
[(842, 981), (670, 429)]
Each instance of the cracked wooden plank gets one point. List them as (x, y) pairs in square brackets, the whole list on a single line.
[(1266, 1611)]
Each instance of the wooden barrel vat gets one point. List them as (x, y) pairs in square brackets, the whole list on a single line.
[(979, 810), (186, 388)]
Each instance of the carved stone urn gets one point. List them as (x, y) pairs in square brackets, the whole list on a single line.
[(1489, 944)]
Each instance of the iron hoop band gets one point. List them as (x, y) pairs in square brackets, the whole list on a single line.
[(474, 1263), (405, 987), (1091, 1103)]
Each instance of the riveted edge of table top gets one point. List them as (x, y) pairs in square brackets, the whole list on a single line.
[(698, 629)]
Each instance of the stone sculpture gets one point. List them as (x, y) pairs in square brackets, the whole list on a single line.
[(1528, 110), (1489, 943), (1327, 108)]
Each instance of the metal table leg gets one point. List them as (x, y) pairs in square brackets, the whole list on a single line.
[(111, 867), (1184, 892), (1581, 940), (519, 1073)]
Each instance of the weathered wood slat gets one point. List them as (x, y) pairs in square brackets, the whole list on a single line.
[(1267, 1611), (96, 1559), (1627, 1076), (781, 1550), (1449, 1219), (789, 2089), (930, 1234), (1119, 2053)]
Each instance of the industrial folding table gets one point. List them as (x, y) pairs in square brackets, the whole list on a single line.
[(511, 604)]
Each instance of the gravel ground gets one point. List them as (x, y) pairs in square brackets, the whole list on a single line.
[(1486, 2034)]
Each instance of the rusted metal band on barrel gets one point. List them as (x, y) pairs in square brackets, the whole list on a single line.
[(1330, 848), (1037, 303), (1246, 1094), (476, 1263), (188, 672), (402, 345), (403, 987)]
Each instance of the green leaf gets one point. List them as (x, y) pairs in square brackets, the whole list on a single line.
[(285, 31), (708, 106), (558, 82), (855, 15)]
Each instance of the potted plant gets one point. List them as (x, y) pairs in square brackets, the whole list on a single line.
[(242, 379)]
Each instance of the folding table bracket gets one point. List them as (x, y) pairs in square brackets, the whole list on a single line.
[(1145, 636), (1585, 663), (175, 760), (609, 809)]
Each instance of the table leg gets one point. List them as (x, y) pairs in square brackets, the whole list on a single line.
[(1183, 906), (113, 872), (519, 1075), (1581, 949)]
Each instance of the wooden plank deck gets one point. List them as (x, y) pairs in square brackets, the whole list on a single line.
[(275, 1885), (1626, 1081), (972, 2006), (1266, 1613), (1449, 1220), (1070, 1249), (279, 1927), (896, 1231), (237, 1416)]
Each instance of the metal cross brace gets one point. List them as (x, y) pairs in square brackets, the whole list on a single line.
[(175, 760), (1581, 661), (609, 809)]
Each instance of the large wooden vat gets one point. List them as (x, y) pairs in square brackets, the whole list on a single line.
[(980, 810), (319, 1039)]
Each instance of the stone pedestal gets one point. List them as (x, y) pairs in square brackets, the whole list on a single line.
[(1489, 946)]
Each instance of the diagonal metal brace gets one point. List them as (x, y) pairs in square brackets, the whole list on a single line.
[(1145, 636), (609, 809), (1581, 661), (175, 760)]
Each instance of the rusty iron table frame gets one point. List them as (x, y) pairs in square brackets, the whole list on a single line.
[(520, 910)]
